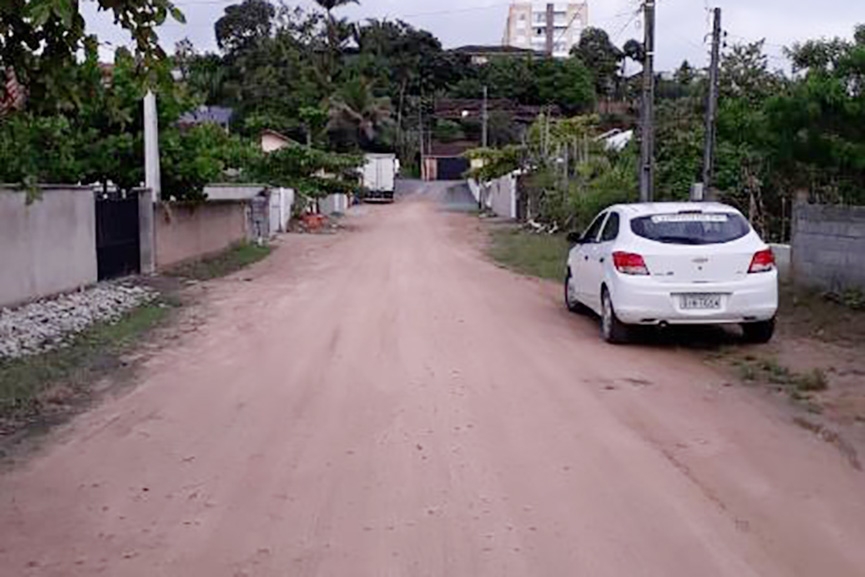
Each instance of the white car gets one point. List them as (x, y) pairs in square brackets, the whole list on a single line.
[(659, 264)]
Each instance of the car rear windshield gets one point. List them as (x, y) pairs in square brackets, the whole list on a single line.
[(694, 228)]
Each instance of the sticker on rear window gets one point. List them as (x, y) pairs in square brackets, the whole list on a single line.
[(690, 217)]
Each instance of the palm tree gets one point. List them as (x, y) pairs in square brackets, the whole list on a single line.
[(338, 32), (355, 107), (331, 5)]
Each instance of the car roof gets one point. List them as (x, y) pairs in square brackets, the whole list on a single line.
[(638, 209)]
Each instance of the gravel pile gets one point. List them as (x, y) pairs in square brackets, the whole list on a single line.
[(48, 324)]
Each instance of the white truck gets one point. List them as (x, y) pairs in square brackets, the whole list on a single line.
[(379, 174)]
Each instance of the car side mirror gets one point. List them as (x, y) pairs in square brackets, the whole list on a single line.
[(575, 238)]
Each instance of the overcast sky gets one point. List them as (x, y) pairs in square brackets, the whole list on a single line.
[(681, 30)]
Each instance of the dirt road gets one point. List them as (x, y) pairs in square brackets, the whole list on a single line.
[(386, 403)]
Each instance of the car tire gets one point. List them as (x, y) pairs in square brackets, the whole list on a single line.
[(759, 333), (572, 304), (613, 330)]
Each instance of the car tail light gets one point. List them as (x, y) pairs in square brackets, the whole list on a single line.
[(763, 261), (630, 263)]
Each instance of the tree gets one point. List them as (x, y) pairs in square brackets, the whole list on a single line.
[(745, 74), (244, 24), (685, 75), (601, 57), (338, 34), (313, 173), (567, 83), (207, 78), (356, 109), (819, 122), (39, 39)]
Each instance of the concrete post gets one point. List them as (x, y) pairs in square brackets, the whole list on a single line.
[(147, 231), (152, 179)]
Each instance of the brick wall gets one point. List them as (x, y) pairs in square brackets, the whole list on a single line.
[(829, 246)]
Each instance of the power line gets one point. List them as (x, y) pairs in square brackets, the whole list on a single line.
[(634, 15)]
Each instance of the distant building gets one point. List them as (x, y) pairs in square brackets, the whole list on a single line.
[(480, 55), (218, 115), (272, 140), (549, 27)]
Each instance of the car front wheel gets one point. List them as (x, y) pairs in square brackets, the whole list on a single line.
[(759, 333), (613, 330)]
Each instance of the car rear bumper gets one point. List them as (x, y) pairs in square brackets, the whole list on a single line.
[(643, 300)]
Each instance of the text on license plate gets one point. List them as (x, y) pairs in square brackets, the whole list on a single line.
[(701, 302)]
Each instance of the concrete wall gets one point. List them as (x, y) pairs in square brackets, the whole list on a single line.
[(186, 233), (281, 204), (46, 247), (333, 203), (501, 196), (783, 259), (475, 189), (829, 246)]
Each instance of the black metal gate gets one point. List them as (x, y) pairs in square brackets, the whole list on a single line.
[(452, 168), (118, 251)]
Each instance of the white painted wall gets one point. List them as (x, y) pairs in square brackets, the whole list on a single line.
[(333, 203), (475, 189), (281, 204), (48, 246), (499, 195)]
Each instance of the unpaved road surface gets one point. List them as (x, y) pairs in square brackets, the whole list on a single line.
[(386, 403)]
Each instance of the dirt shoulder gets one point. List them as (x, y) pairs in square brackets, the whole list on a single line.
[(41, 391), (817, 359), (816, 363)]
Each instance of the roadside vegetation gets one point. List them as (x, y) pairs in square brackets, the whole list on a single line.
[(829, 317), (223, 264), (538, 255), (37, 387)]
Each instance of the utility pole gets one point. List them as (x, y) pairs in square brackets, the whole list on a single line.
[(420, 135), (550, 30), (486, 120), (712, 105), (647, 122)]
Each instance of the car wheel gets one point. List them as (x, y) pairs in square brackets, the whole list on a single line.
[(759, 333), (570, 297), (613, 330)]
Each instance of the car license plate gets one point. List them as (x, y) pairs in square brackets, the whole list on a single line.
[(701, 302)]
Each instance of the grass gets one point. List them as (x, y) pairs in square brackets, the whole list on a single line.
[(540, 255), (768, 370), (826, 317), (30, 385), (225, 263)]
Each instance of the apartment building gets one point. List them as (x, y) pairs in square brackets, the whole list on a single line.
[(549, 27)]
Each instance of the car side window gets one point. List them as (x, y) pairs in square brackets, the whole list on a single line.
[(591, 234), (611, 229)]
